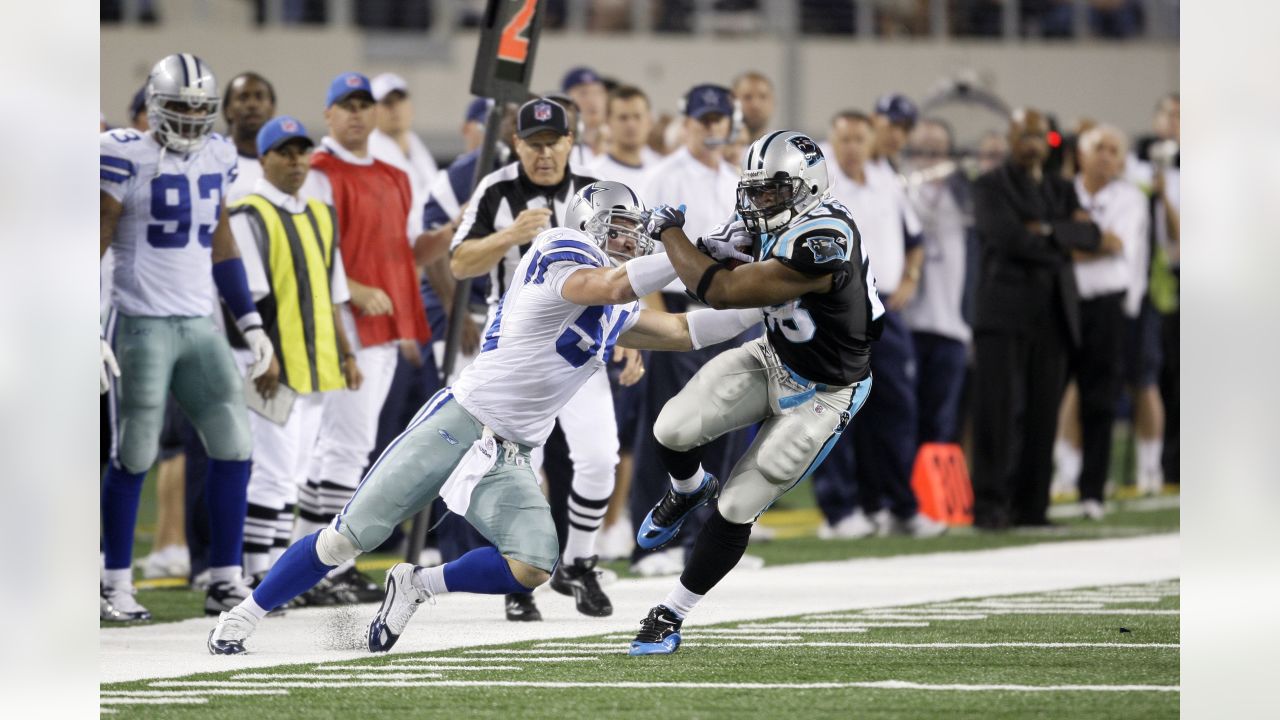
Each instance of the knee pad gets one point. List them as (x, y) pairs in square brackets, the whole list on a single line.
[(738, 508), (675, 429), (224, 430), (782, 463), (334, 548)]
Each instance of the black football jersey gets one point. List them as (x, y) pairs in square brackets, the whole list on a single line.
[(824, 337)]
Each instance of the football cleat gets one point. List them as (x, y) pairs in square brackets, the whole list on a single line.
[(581, 580), (521, 608), (224, 595), (359, 586), (659, 633), (400, 602), (664, 520), (233, 628), (117, 604)]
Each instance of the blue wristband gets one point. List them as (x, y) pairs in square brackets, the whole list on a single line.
[(233, 285)]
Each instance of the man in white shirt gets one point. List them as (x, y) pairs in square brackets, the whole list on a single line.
[(394, 141), (250, 103), (697, 177), (587, 91), (629, 119), (894, 118), (754, 93), (1108, 294), (884, 439)]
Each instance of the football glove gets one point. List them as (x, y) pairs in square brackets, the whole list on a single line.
[(110, 368), (663, 218), (727, 242), (260, 345)]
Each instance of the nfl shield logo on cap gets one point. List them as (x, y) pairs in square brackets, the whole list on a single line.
[(542, 112), (289, 126), (353, 81)]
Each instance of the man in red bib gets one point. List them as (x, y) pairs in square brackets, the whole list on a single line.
[(373, 200)]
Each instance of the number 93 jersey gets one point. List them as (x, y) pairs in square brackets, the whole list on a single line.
[(539, 349), (825, 337), (172, 203)]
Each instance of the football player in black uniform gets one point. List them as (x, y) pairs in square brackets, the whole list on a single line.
[(804, 379)]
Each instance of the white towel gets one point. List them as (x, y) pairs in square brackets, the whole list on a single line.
[(474, 465)]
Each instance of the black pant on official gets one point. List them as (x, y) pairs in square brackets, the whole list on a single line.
[(1019, 379), (941, 363), (1099, 370)]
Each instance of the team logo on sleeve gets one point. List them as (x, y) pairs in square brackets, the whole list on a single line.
[(826, 249), (811, 152)]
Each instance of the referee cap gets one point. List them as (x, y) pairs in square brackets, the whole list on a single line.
[(539, 115)]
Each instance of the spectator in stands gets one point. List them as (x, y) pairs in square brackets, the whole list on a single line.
[(884, 434), (250, 101), (629, 120), (939, 331), (588, 93), (473, 123), (372, 200), (894, 117), (1027, 321), (1105, 278), (993, 149), (754, 93)]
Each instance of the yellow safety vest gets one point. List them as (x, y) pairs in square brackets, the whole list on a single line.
[(297, 254)]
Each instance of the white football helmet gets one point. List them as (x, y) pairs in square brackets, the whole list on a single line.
[(783, 176), (596, 210), (185, 79)]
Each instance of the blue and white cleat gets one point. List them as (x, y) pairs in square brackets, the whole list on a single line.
[(664, 520), (233, 628), (659, 633), (402, 599)]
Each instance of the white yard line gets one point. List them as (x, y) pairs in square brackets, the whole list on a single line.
[(182, 693), (872, 684), (312, 635), (388, 668), (621, 646), (539, 659), (153, 701)]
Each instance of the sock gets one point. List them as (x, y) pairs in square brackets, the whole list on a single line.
[(689, 484), (121, 491), (717, 550), (431, 579), (483, 571), (585, 517), (298, 570), (251, 606), (319, 501), (1069, 459), (682, 465), (122, 578), (342, 567), (1149, 452), (226, 493), (259, 536), (225, 573), (283, 532), (681, 600)]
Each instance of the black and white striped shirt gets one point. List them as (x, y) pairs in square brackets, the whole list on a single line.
[(498, 200)]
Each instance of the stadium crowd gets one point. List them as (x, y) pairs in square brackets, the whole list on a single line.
[(1029, 286)]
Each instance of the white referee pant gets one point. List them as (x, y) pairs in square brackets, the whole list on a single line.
[(591, 432), (348, 431)]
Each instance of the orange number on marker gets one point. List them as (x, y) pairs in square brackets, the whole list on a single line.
[(513, 46)]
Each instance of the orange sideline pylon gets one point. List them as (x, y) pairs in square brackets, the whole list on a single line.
[(941, 483)]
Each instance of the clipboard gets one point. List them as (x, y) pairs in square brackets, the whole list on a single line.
[(276, 409)]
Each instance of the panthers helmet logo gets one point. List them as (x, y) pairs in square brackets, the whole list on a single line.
[(811, 152)]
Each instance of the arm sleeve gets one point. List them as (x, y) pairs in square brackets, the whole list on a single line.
[(246, 234), (118, 173), (555, 261), (339, 292), (912, 228), (819, 251)]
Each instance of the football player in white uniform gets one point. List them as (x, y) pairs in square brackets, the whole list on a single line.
[(163, 211), (805, 379), (571, 298)]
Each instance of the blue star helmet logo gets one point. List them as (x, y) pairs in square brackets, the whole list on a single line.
[(589, 191)]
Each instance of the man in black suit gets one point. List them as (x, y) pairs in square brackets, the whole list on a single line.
[(1027, 320)]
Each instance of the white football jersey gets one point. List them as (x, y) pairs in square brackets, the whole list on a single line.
[(540, 348), (172, 203)]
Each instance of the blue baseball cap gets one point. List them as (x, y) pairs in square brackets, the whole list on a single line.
[(579, 76), (347, 84), (279, 130), (898, 108), (706, 99), (138, 103), (478, 109)]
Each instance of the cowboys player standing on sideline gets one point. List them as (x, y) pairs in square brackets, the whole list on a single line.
[(570, 299), (163, 210), (805, 379)]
